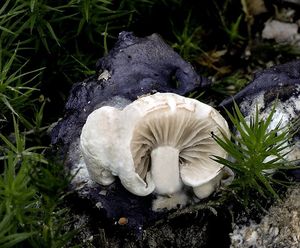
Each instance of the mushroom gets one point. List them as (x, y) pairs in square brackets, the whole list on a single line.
[(160, 143)]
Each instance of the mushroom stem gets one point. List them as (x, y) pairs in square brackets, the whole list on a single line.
[(165, 170)]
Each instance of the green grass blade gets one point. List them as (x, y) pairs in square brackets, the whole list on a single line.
[(13, 239), (7, 30), (53, 35)]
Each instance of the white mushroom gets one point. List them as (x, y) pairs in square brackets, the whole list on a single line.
[(159, 143)]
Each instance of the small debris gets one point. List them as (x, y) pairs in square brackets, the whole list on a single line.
[(103, 192), (122, 221), (281, 32), (256, 7), (105, 75), (99, 205)]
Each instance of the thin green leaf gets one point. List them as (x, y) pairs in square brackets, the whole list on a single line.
[(32, 5), (7, 30), (48, 25), (13, 239)]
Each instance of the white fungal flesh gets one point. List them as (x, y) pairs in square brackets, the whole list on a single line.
[(165, 170), (159, 142), (91, 140), (179, 199), (209, 187)]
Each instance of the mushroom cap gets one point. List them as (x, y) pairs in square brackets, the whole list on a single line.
[(119, 143), (97, 157), (106, 152)]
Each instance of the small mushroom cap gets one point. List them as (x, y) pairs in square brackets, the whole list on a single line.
[(223, 178), (105, 148), (120, 143), (205, 189)]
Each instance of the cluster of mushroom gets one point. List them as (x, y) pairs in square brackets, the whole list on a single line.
[(160, 143)]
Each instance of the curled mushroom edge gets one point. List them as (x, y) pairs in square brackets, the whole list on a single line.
[(160, 144)]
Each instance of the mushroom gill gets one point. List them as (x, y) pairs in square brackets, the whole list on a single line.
[(181, 129)]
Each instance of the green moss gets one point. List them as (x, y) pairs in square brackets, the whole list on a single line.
[(256, 152)]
